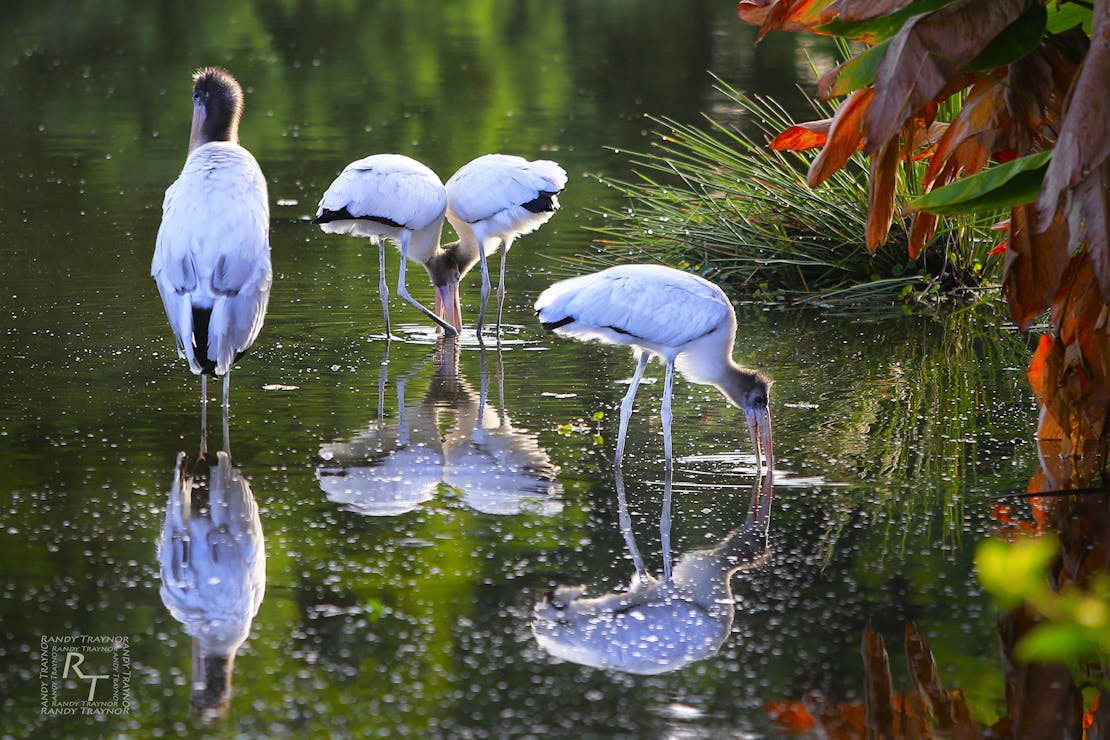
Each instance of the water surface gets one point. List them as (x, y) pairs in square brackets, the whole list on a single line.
[(418, 500)]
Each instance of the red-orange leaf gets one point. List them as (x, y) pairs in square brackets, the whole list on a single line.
[(922, 229), (791, 714), (845, 137), (1034, 265), (880, 199), (925, 55), (786, 15), (969, 140), (803, 136), (852, 11)]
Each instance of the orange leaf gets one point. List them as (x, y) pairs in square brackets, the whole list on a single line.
[(786, 15), (1034, 265), (922, 228), (852, 11), (845, 137), (880, 199), (969, 139), (925, 55), (802, 136), (791, 714)]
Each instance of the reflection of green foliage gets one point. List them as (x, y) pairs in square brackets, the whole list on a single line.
[(1076, 624)]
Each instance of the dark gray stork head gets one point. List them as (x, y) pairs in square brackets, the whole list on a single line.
[(217, 107)]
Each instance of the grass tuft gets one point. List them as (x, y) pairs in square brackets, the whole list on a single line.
[(720, 203)]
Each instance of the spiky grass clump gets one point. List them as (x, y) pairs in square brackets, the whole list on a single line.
[(722, 204)]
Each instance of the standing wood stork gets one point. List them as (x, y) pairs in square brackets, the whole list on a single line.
[(494, 199), (212, 257), (682, 318), (391, 196)]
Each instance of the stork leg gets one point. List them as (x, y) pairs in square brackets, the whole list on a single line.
[(203, 415), (383, 287), (501, 283), (485, 287), (626, 405), (665, 413), (404, 293), (227, 412)]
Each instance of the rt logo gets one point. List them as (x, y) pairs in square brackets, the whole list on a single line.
[(74, 661)]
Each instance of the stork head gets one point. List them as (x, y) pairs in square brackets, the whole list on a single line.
[(751, 392), (446, 268), (217, 107)]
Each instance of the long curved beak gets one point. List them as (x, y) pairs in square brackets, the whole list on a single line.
[(199, 114), (447, 304), (759, 425)]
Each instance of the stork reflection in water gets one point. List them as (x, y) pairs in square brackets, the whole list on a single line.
[(449, 437), (213, 568), (657, 625)]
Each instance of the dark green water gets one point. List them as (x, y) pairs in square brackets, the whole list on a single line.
[(893, 433)]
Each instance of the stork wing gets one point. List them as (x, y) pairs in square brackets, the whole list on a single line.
[(495, 182), (656, 304), (390, 187)]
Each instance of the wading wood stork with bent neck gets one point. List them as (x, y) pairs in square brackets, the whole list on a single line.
[(212, 257), (391, 196), (683, 319), (494, 199)]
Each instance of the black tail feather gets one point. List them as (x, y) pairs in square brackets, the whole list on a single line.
[(344, 215), (553, 325), (543, 203)]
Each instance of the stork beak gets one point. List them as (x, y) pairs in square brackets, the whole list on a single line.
[(759, 425), (447, 304), (199, 114)]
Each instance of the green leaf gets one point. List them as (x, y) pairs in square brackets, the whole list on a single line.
[(1018, 39), (1068, 15), (880, 29), (1057, 643), (859, 71), (1014, 572), (999, 187)]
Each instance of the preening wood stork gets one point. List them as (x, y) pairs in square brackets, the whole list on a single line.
[(682, 318), (212, 257), (394, 197), (494, 199)]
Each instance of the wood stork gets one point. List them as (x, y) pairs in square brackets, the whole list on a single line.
[(212, 257), (494, 199), (682, 318), (394, 197)]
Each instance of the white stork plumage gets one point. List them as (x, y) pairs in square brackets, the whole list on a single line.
[(494, 199), (683, 319), (394, 197), (212, 257)]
